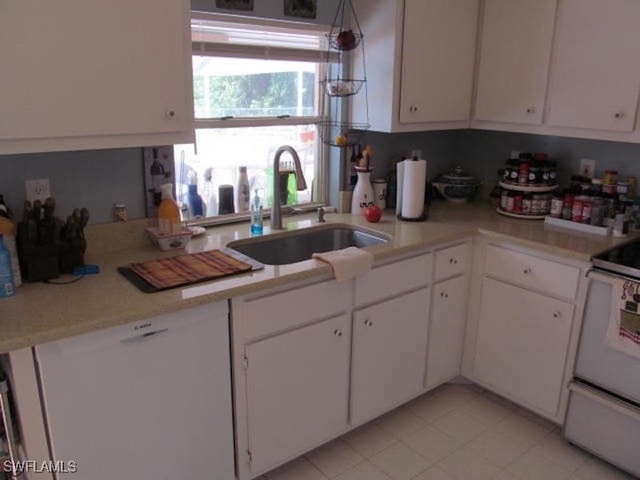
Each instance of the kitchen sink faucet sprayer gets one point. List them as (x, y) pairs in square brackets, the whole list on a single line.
[(301, 184)]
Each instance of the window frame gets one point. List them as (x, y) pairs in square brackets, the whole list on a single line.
[(321, 55)]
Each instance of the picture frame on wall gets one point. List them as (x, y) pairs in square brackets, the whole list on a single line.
[(301, 8), (244, 5)]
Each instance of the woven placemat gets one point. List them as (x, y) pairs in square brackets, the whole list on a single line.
[(172, 272)]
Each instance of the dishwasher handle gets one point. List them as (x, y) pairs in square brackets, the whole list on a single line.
[(143, 336)]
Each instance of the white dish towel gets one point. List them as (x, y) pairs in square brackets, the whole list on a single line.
[(623, 304), (347, 263)]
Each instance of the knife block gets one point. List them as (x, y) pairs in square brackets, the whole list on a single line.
[(38, 262), (44, 261)]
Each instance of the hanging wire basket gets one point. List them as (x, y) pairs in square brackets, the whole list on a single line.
[(342, 134), (342, 87)]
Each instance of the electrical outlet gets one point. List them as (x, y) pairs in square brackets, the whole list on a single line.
[(587, 167), (37, 189)]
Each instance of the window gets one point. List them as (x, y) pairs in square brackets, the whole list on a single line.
[(256, 87)]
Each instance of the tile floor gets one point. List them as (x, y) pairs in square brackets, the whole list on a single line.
[(456, 432)]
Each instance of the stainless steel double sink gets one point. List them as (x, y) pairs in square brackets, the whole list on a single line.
[(283, 248)]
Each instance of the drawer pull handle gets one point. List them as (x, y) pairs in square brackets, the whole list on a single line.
[(171, 113), (444, 295), (531, 110), (618, 115), (337, 332), (453, 261), (557, 314), (527, 271), (368, 323)]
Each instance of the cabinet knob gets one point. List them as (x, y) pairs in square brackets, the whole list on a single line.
[(171, 113), (453, 261), (444, 295), (413, 109), (527, 270), (557, 314), (337, 332), (368, 323), (618, 115), (531, 110)]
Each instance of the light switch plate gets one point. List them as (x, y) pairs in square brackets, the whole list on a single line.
[(37, 189), (587, 167)]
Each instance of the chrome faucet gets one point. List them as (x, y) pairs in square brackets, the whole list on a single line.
[(301, 184)]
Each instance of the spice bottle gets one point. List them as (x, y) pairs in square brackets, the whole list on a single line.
[(567, 206)]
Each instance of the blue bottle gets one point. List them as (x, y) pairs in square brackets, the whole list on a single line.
[(7, 286), (196, 206)]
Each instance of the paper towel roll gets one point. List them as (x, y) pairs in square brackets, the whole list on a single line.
[(414, 179)]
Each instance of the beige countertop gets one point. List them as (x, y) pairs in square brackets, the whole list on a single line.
[(41, 312)]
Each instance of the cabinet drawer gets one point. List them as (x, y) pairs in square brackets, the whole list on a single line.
[(291, 308), (451, 261), (390, 280), (531, 271)]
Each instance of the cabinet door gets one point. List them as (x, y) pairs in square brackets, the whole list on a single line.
[(514, 60), (595, 76), (522, 344), (389, 347), (446, 330), (297, 391), (438, 55), (76, 68)]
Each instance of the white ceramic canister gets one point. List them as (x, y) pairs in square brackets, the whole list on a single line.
[(363, 195), (380, 192)]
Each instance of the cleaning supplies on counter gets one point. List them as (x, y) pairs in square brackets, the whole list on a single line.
[(243, 191), (7, 287), (168, 211), (196, 205), (8, 230), (256, 215), (210, 193)]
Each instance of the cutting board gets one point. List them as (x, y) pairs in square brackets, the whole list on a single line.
[(182, 270)]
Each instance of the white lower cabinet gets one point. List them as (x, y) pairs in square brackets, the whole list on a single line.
[(446, 330), (388, 356), (297, 390), (522, 344), (523, 325)]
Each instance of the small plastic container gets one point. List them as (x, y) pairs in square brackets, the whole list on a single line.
[(169, 241)]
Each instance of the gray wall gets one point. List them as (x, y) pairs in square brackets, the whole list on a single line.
[(482, 152), (95, 179)]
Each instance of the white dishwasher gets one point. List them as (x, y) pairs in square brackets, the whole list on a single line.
[(150, 400)]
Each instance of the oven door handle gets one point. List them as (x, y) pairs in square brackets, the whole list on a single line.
[(607, 276)]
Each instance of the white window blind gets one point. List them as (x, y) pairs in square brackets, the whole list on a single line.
[(215, 35)]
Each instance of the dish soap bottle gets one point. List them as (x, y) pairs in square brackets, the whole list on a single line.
[(256, 215), (168, 211), (196, 207), (7, 287)]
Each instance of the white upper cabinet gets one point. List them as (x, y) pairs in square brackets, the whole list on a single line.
[(595, 75), (419, 62), (515, 53), (94, 74), (438, 53)]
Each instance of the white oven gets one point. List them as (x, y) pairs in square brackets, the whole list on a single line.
[(603, 416)]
